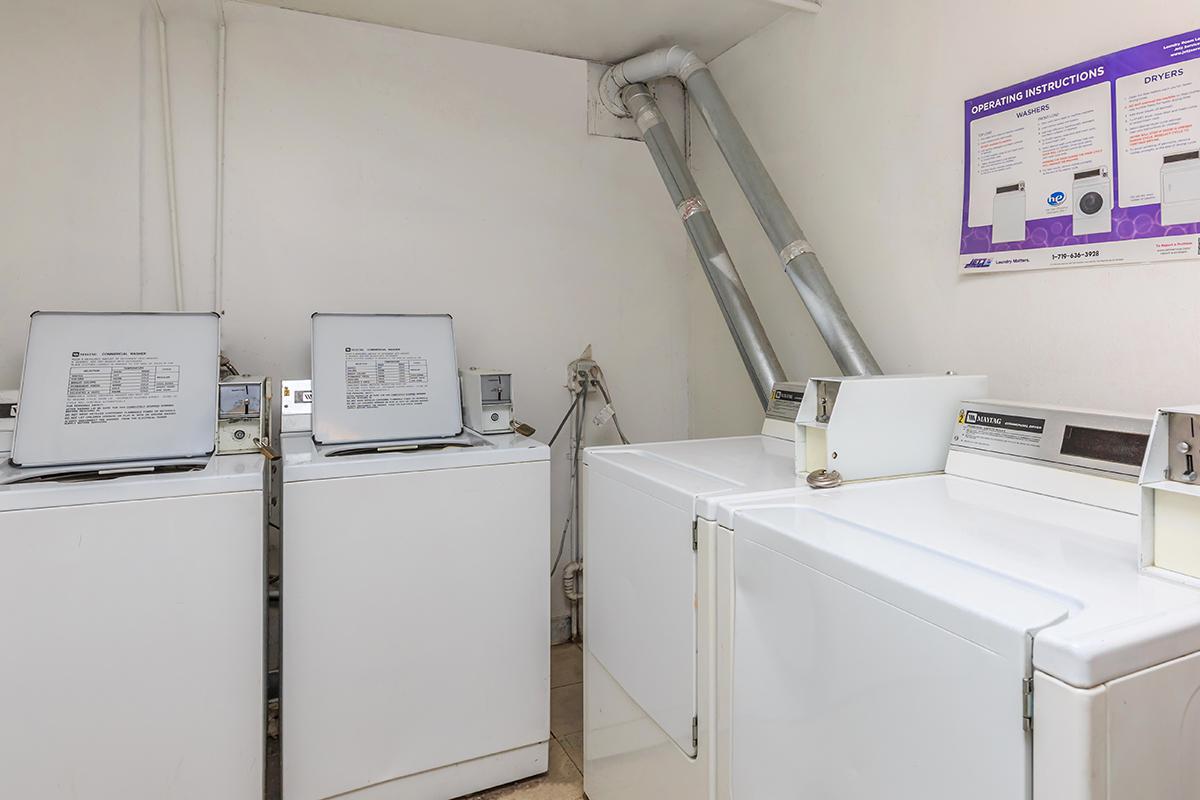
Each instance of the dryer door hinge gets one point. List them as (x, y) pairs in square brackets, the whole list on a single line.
[(1027, 703), (695, 536), (695, 733)]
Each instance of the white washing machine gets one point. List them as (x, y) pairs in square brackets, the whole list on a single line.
[(1008, 213), (415, 602), (132, 659), (132, 572), (986, 633), (1092, 202)]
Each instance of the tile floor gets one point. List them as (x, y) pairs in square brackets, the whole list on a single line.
[(564, 780)]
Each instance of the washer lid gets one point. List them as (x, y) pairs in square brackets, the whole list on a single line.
[(216, 475), (971, 554), (303, 460), (694, 474), (384, 378), (115, 387)]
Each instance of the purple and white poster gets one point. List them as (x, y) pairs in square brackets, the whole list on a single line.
[(1098, 163)]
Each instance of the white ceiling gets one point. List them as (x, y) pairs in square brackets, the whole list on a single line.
[(595, 30)]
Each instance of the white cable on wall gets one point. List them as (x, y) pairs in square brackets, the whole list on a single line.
[(219, 221), (169, 146)]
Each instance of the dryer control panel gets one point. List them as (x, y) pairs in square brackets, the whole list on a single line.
[(1086, 456), (1087, 441)]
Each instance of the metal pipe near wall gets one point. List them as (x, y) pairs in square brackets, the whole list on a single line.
[(748, 333), (800, 263)]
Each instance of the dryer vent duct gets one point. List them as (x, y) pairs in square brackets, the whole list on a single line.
[(622, 91), (748, 333)]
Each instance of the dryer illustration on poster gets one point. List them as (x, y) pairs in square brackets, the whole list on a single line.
[(1180, 192)]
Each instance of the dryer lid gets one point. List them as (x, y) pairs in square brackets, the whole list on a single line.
[(693, 474)]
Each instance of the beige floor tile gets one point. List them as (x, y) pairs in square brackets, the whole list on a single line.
[(573, 745), (566, 710), (566, 665), (562, 782)]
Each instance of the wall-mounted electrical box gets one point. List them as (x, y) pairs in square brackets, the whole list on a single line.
[(487, 400), (878, 426), (243, 414), (1171, 496)]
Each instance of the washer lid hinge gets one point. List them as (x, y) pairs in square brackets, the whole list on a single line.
[(695, 733), (1027, 703), (695, 536)]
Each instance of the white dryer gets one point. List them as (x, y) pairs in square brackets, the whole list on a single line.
[(415, 602), (132, 631), (651, 647), (986, 633), (649, 510)]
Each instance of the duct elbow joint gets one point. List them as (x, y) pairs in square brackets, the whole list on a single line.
[(671, 62)]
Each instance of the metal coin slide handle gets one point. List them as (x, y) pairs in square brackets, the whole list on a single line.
[(824, 479)]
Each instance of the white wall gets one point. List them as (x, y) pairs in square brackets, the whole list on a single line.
[(366, 168), (857, 112), (375, 169), (69, 163)]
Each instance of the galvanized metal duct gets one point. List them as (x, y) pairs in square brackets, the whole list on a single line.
[(748, 333), (800, 263)]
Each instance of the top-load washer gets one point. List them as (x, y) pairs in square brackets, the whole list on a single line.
[(985, 633), (1009, 213), (650, 646), (416, 575), (134, 593), (400, 569)]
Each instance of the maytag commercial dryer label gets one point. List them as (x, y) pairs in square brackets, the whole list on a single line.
[(1097, 163)]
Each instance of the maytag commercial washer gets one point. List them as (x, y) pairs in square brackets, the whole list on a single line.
[(416, 607), (133, 589)]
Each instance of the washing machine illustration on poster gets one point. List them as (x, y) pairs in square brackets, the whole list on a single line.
[(1092, 204), (1008, 213)]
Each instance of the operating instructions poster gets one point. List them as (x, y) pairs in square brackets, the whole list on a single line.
[(1098, 163)]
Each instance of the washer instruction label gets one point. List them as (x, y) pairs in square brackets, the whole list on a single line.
[(125, 386), (982, 429), (385, 377), (1097, 163)]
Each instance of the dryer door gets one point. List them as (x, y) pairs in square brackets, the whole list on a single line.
[(849, 685), (641, 599)]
